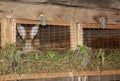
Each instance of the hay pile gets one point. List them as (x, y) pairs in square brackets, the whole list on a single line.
[(83, 58)]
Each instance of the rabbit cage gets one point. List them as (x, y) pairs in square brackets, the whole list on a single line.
[(31, 36), (62, 37), (101, 38)]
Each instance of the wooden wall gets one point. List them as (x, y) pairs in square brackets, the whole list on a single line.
[(58, 13)]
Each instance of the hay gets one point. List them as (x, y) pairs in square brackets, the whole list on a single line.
[(15, 61)]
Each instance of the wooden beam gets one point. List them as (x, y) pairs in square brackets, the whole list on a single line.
[(94, 25), (78, 3), (80, 34), (8, 29), (48, 22), (59, 75), (57, 13), (73, 36), (97, 73), (0, 21), (13, 31)]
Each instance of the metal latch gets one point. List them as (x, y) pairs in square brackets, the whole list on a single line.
[(102, 23)]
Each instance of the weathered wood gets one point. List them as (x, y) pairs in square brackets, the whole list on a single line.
[(108, 26), (7, 32), (73, 36), (48, 22), (0, 34), (58, 75), (76, 3), (80, 34), (57, 13)]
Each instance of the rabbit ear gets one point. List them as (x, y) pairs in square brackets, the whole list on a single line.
[(21, 31), (34, 31)]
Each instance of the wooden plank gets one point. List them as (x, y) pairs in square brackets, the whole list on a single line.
[(77, 3), (48, 22), (73, 36), (12, 31), (97, 73), (58, 13), (58, 75), (8, 28), (94, 25), (4, 36), (80, 34)]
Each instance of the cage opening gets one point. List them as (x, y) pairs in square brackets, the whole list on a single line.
[(101, 38), (49, 37)]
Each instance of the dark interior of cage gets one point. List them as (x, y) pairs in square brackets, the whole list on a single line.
[(101, 38), (49, 37)]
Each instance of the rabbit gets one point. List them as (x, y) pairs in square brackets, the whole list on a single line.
[(27, 37)]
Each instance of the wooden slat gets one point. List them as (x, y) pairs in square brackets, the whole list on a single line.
[(96, 73), (73, 36), (80, 34), (58, 75), (0, 20), (48, 22), (108, 26)]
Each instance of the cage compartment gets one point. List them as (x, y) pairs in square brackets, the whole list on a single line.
[(49, 37), (101, 38)]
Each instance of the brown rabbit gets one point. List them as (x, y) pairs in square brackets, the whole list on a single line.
[(27, 37)]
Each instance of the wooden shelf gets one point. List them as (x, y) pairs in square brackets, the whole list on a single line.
[(58, 75)]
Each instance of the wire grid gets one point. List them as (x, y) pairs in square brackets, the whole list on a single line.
[(50, 37), (101, 38)]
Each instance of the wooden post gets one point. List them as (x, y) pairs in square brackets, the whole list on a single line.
[(4, 33), (73, 36), (7, 31), (80, 34), (13, 31)]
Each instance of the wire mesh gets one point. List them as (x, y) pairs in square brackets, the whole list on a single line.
[(101, 38), (50, 37)]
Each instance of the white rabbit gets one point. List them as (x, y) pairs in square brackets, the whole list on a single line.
[(27, 38)]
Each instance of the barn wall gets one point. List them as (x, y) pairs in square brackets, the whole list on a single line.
[(58, 13)]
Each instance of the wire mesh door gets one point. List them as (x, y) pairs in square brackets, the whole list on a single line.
[(50, 37), (101, 38)]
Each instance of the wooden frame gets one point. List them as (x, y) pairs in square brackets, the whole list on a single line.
[(1, 33), (58, 75), (8, 36), (48, 22), (9, 28), (94, 25), (7, 31)]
